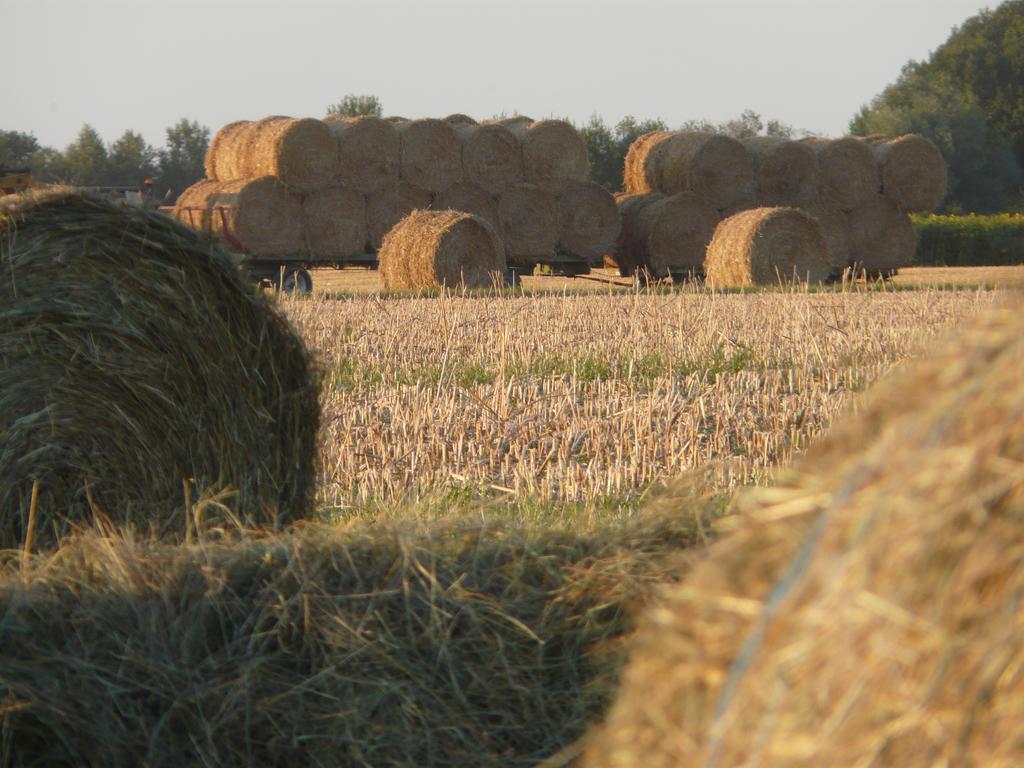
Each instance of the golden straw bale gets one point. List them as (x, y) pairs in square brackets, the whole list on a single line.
[(334, 223), (865, 610), (847, 172), (427, 249), (389, 206), (835, 223), (665, 233), (913, 172), (529, 221), (301, 153), (457, 118), (785, 172), (431, 155), (553, 151), (491, 156), (469, 198), (368, 152), (589, 225), (640, 171), (261, 215), (190, 208), (882, 237), (764, 246)]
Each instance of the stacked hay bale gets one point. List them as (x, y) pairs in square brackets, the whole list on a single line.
[(301, 187), (140, 374), (860, 191), (664, 234), (866, 610)]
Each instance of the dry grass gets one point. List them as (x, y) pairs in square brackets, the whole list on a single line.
[(585, 397)]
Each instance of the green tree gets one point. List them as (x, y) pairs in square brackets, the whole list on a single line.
[(85, 159), (353, 105), (181, 161), (48, 165), (130, 160), (17, 149)]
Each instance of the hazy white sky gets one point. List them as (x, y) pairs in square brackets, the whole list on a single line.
[(143, 64)]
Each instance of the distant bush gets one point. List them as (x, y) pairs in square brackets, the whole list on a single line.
[(969, 241)]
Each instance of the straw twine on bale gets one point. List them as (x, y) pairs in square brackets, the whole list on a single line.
[(260, 214), (882, 237), (428, 249), (491, 156), (459, 644), (847, 172), (913, 172), (301, 153), (835, 223), (553, 151), (866, 609), (529, 220), (589, 220), (386, 208), (368, 152), (457, 118), (431, 155), (138, 367), (666, 233), (469, 198), (334, 223), (785, 172), (764, 246)]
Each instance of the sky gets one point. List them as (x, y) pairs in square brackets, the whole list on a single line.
[(144, 64)]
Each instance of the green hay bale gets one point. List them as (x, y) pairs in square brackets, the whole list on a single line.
[(136, 362), (453, 644)]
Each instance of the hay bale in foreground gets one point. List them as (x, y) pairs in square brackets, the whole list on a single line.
[(866, 610), (913, 172), (389, 206), (431, 155), (553, 152), (529, 220), (138, 366), (766, 246), (301, 153), (428, 249), (491, 156), (258, 216), (459, 644), (589, 225), (334, 223), (882, 237), (368, 152), (785, 172), (468, 198), (847, 172), (662, 234)]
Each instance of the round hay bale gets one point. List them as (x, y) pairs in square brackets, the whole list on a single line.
[(913, 172), (334, 223), (469, 198), (666, 233), (882, 237), (431, 155), (258, 216), (629, 254), (428, 249), (138, 367), (864, 610), (639, 169), (529, 223), (457, 119), (301, 153), (847, 173), (553, 151), (785, 172), (491, 156), (589, 220), (368, 152), (387, 207), (835, 223), (765, 246), (190, 208)]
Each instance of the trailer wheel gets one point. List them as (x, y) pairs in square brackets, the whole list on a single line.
[(295, 280)]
